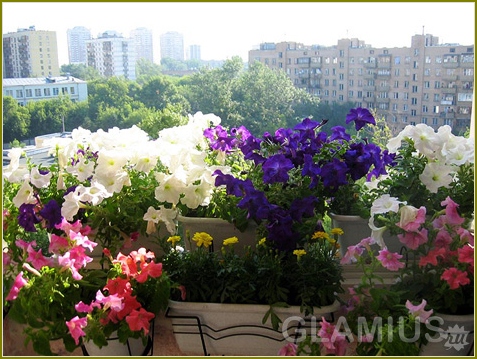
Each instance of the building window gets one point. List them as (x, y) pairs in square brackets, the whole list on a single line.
[(413, 101), (397, 60), (405, 107), (424, 120), (428, 59), (28, 93), (414, 89), (396, 95), (396, 84), (414, 77), (425, 109), (37, 92), (435, 121), (19, 94), (46, 92), (404, 119), (9, 93), (396, 72), (350, 94), (72, 90), (427, 84), (413, 113), (448, 122), (406, 84), (55, 91)]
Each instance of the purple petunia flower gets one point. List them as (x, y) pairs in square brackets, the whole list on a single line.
[(361, 117), (334, 174), (275, 169), (339, 133), (52, 213), (27, 217)]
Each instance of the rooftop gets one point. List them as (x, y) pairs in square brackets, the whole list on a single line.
[(41, 81)]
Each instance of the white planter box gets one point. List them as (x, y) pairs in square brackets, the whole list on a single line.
[(219, 229), (236, 329)]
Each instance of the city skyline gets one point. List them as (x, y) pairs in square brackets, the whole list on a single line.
[(224, 30)]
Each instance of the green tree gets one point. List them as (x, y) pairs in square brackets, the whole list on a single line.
[(48, 116), (146, 69), (169, 64), (16, 120), (160, 91), (153, 121), (210, 90), (264, 99), (80, 71)]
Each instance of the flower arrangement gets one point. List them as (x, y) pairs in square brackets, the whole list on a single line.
[(430, 166), (135, 292), (308, 277), (434, 275), (293, 175)]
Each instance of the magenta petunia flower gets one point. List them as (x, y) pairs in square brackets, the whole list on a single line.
[(466, 255), (139, 319), (413, 240), (390, 260)]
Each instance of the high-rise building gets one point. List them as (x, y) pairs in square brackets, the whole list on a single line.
[(30, 53), (172, 46), (194, 52), (428, 83), (112, 55), (143, 40), (77, 38)]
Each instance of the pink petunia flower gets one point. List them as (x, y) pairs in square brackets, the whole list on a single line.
[(466, 255), (75, 327), (455, 277), (288, 350), (37, 259), (413, 240), (431, 257), (390, 260), (352, 253), (18, 283), (418, 310), (411, 218)]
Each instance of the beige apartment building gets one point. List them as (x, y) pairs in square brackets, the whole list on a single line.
[(30, 53), (425, 83)]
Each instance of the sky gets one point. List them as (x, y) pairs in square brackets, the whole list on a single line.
[(227, 29)]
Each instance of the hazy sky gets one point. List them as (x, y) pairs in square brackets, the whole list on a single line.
[(227, 29)]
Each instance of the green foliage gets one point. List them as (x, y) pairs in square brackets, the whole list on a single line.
[(262, 275), (15, 120)]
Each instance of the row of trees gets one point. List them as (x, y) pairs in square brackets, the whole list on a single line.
[(259, 98)]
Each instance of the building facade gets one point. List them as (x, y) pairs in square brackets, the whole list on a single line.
[(30, 53), (143, 40), (425, 83), (45, 88), (194, 52), (172, 46), (112, 55), (77, 38)]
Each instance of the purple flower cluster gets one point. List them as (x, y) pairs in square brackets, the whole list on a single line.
[(302, 162)]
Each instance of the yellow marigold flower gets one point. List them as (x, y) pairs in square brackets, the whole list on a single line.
[(338, 231), (202, 239), (320, 235), (299, 252), (229, 241), (174, 240), (331, 240), (262, 242)]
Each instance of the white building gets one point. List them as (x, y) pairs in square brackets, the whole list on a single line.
[(35, 89), (77, 38), (194, 52), (112, 55), (172, 46), (143, 40)]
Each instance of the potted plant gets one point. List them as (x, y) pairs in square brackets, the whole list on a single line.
[(434, 276), (47, 279), (224, 303), (296, 176)]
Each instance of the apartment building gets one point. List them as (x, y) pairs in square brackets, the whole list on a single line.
[(427, 83), (172, 46), (46, 88), (143, 42), (77, 38), (194, 52), (112, 55), (30, 53)]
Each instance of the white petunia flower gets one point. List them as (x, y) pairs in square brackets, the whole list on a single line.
[(377, 233), (83, 169), (169, 190), (436, 175), (385, 204), (39, 180), (24, 195)]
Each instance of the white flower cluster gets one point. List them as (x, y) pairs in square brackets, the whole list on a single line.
[(181, 150), (445, 152)]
